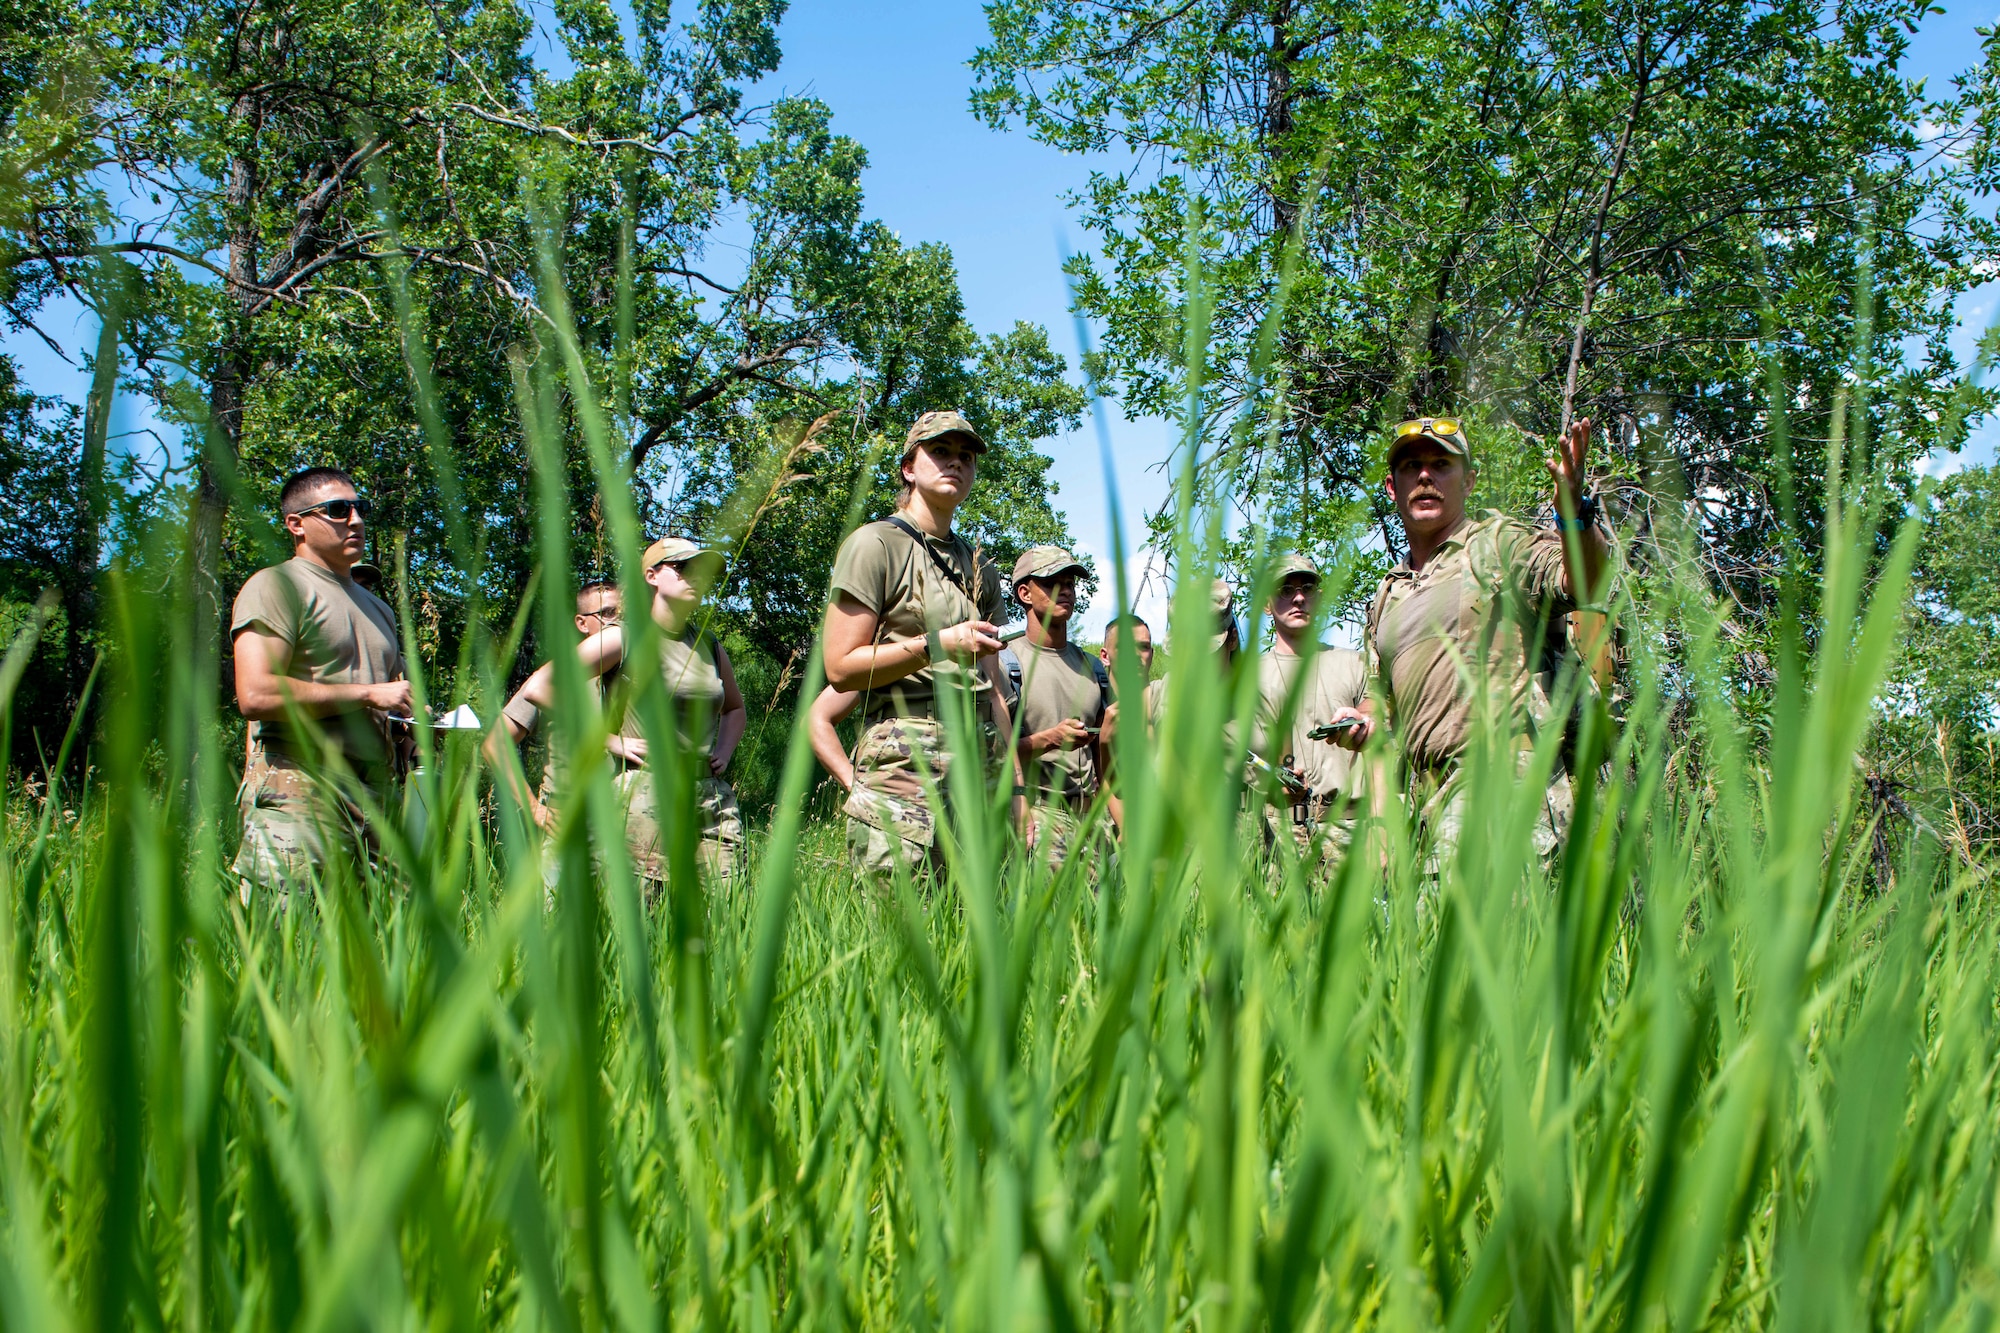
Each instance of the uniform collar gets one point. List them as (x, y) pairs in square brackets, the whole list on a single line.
[(1454, 543)]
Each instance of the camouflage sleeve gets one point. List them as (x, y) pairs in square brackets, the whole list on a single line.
[(1534, 563), (989, 589), (1371, 660)]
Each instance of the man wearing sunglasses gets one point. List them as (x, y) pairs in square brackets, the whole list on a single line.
[(319, 673), (1474, 622)]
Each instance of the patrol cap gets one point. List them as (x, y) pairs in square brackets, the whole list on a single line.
[(677, 550), (1292, 563), (1448, 433), (937, 425), (1044, 562), (1223, 599)]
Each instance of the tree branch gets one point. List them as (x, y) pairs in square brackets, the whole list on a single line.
[(746, 367)]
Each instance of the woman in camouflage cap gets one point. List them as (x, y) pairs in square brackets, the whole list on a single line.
[(911, 619), (708, 711)]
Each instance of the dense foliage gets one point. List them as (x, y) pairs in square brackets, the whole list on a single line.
[(290, 213), (1520, 212)]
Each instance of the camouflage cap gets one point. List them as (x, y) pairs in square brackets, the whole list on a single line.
[(1044, 562), (936, 425), (1293, 563), (1448, 433), (676, 550), (1223, 598)]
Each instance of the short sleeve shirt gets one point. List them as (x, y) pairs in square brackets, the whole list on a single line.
[(899, 578), (339, 633), (694, 682), (1057, 684), (1338, 680), (1490, 602)]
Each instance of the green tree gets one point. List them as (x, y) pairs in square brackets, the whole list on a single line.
[(309, 208), (1514, 212)]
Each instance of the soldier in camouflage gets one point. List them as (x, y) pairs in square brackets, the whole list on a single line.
[(1476, 615), (910, 630), (1059, 694)]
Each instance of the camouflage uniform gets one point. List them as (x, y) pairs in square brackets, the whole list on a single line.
[(914, 584), (900, 780), (1336, 678), (295, 809), (1484, 621), (290, 820), (720, 851), (1050, 685)]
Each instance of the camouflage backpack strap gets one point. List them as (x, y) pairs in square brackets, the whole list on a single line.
[(1102, 676)]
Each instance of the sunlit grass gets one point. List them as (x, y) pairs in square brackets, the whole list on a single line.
[(1710, 1069)]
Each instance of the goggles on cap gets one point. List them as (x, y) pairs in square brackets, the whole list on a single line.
[(1428, 426)]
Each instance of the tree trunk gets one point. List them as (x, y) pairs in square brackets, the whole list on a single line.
[(1278, 120), (86, 549), (230, 382)]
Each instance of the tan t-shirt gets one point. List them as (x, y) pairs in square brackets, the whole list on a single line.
[(1056, 685), (882, 568), (694, 682), (339, 633), (1488, 604), (1339, 680)]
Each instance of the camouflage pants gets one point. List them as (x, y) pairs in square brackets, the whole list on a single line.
[(1333, 829), (891, 820), (720, 822), (291, 821), (1440, 802), (1060, 832)]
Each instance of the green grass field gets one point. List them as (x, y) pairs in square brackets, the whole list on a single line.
[(1721, 1068), (1727, 1064)]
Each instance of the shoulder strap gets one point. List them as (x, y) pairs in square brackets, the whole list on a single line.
[(1100, 675), (945, 567), (1010, 662)]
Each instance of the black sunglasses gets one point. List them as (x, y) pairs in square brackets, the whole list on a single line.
[(337, 510)]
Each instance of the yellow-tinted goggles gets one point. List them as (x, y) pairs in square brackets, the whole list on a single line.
[(1429, 426), (1446, 430)]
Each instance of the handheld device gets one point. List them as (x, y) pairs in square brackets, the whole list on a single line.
[(1328, 730), (1287, 779), (1013, 632)]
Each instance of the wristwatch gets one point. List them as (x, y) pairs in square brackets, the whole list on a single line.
[(1587, 511)]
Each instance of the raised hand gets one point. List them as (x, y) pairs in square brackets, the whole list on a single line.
[(1569, 468)]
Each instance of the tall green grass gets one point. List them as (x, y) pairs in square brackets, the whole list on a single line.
[(1711, 1069)]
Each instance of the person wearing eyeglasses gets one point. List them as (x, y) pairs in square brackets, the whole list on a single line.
[(1490, 592), (598, 606), (709, 713), (319, 674)]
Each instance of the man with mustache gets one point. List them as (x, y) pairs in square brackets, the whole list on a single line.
[(1475, 618)]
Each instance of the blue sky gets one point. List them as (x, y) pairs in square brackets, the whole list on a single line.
[(895, 74)]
